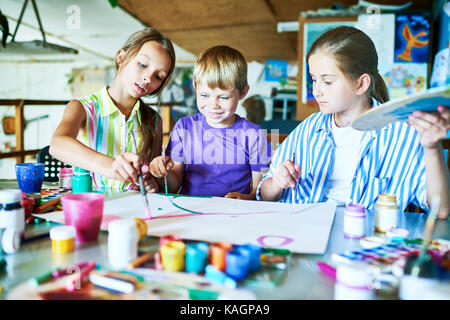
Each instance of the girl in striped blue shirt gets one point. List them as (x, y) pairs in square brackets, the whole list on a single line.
[(324, 158)]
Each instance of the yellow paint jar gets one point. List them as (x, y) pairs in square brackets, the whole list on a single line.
[(173, 256), (63, 239)]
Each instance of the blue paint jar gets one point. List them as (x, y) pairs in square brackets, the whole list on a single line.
[(237, 264), (196, 257), (254, 251), (81, 181)]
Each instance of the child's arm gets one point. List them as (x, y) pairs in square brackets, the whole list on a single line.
[(65, 147), (256, 178), (174, 171), (284, 176), (433, 128)]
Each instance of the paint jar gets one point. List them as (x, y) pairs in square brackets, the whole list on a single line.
[(354, 281), (354, 221), (386, 212), (63, 239), (142, 228), (10, 241), (122, 242), (81, 181), (84, 211), (65, 178), (218, 253), (196, 257), (173, 256), (237, 264), (12, 214), (30, 176), (254, 252)]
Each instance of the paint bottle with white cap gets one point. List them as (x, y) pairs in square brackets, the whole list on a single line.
[(354, 221), (12, 219), (386, 212), (123, 240)]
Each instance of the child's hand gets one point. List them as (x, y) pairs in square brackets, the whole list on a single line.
[(158, 168), (286, 174), (125, 167), (432, 126), (151, 185), (241, 196)]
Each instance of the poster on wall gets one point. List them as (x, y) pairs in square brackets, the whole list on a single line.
[(276, 70), (412, 38), (402, 43), (312, 31)]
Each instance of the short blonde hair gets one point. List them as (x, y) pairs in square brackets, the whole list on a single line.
[(221, 67)]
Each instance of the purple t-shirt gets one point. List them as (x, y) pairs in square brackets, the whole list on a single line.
[(218, 161)]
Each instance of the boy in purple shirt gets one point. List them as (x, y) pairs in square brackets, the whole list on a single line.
[(216, 152)]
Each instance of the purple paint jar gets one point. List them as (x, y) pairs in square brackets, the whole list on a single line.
[(354, 221)]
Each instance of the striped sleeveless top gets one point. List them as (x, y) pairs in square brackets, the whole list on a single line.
[(108, 132)]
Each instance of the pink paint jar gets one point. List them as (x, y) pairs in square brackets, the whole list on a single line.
[(84, 211), (354, 221), (65, 178)]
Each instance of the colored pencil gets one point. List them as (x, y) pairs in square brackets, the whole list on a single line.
[(48, 204), (140, 260)]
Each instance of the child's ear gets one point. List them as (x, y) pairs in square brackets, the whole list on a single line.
[(244, 93), (120, 55), (363, 84)]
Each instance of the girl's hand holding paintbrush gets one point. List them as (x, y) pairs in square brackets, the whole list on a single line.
[(151, 184)]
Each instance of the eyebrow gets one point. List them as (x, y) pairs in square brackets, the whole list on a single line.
[(324, 75)]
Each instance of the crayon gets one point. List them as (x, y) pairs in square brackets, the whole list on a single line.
[(47, 205), (41, 279), (76, 280)]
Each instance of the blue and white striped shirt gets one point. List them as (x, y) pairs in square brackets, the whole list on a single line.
[(391, 160)]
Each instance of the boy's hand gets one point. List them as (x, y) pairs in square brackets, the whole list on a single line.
[(158, 168), (432, 126), (286, 174), (125, 168), (241, 196)]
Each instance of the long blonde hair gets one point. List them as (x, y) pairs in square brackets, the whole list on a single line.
[(355, 54), (151, 148)]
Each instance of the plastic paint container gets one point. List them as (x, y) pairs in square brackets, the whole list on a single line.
[(168, 238), (396, 234), (237, 264), (386, 212), (354, 221), (122, 242), (196, 257), (12, 214), (10, 241), (65, 178), (354, 280), (218, 253), (63, 239), (172, 256), (254, 251), (142, 228), (30, 176), (81, 181)]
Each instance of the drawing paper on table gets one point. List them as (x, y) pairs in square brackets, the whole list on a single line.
[(213, 219)]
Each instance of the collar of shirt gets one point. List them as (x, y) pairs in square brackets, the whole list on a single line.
[(109, 107)]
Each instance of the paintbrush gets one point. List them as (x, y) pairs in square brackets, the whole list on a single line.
[(141, 183), (293, 188), (429, 226), (164, 159)]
